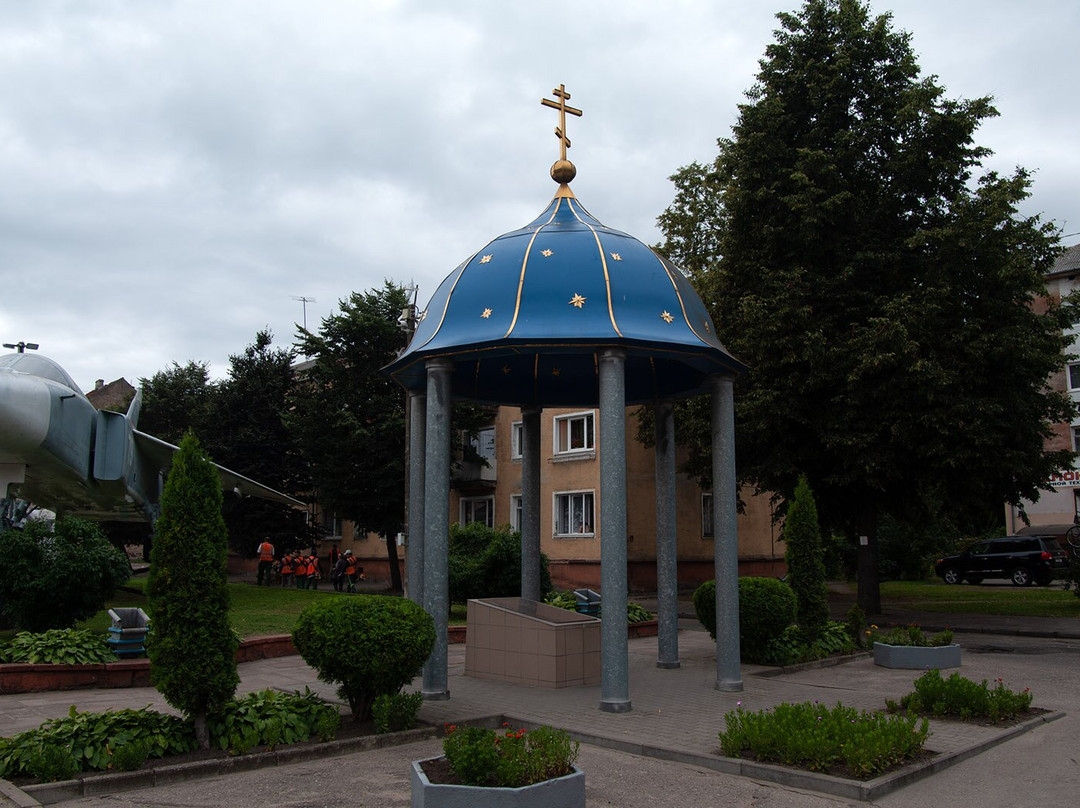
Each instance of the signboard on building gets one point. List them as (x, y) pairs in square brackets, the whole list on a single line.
[(1066, 479)]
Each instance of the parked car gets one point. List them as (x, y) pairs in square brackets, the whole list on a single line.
[(1021, 559)]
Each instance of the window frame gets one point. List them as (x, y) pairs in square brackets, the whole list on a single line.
[(708, 531), (466, 503), (1072, 376), (556, 513), (516, 512), (589, 417), (517, 438)]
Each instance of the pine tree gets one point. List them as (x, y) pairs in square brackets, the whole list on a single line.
[(193, 649), (806, 570), (882, 296)]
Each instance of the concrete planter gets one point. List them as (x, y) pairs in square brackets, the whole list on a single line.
[(913, 657), (562, 792)]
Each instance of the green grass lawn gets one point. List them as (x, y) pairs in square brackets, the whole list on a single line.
[(992, 598)]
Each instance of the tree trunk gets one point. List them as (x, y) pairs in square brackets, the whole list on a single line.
[(869, 588), (202, 731), (392, 558)]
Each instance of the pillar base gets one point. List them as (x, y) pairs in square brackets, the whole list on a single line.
[(669, 666), (615, 706), (441, 695), (730, 687)]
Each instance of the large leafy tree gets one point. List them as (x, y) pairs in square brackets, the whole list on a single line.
[(193, 653), (351, 418), (886, 300), (177, 399)]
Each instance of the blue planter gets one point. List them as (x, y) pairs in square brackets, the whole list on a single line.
[(913, 657), (562, 792)]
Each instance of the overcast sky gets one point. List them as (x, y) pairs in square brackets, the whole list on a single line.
[(174, 174)]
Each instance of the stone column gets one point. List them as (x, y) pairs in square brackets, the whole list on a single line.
[(417, 464), (437, 522), (667, 577), (530, 503), (614, 647), (726, 540)]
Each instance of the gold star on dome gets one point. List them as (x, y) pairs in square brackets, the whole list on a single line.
[(506, 370), (486, 313), (616, 257), (666, 316), (707, 329), (546, 253), (555, 372), (486, 259), (578, 301)]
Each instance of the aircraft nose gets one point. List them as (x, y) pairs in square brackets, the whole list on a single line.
[(24, 414)]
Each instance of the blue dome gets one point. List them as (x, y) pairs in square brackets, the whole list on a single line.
[(524, 318)]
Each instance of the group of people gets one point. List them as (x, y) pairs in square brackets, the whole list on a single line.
[(304, 571)]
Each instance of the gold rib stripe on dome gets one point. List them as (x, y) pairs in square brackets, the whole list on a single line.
[(603, 263), (524, 265), (682, 305), (446, 305)]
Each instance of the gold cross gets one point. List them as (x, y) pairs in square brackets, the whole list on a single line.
[(560, 130)]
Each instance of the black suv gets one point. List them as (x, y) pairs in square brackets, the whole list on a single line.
[(1021, 559)]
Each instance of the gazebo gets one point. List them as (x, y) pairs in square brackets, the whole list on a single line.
[(566, 311)]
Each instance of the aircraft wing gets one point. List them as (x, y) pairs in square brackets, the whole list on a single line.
[(160, 455)]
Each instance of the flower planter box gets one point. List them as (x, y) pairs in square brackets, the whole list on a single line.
[(913, 657), (562, 792)]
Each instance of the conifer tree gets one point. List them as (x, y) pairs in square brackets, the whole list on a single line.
[(806, 570), (193, 649)]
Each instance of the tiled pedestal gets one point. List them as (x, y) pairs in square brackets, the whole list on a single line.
[(530, 643)]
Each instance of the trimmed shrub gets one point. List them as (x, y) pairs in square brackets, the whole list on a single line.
[(369, 645), (58, 573), (394, 712), (486, 563), (806, 571), (766, 607), (193, 655)]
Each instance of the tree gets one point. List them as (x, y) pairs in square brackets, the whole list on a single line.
[(249, 434), (58, 574), (193, 652), (806, 571), (884, 299), (350, 417), (176, 400)]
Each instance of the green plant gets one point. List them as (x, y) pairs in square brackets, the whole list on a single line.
[(914, 636), (58, 646), (51, 762), (793, 646), (855, 624), (90, 740), (130, 756), (635, 612), (486, 563), (483, 757), (803, 554), (393, 712), (818, 738), (960, 697), (270, 717), (58, 573), (367, 644), (766, 608), (193, 655)]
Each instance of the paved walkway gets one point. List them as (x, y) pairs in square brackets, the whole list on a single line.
[(676, 714)]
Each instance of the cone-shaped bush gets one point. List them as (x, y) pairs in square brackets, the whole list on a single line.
[(806, 570), (193, 648)]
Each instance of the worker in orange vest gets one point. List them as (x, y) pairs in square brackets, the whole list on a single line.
[(300, 571), (287, 569), (350, 571), (314, 574), (266, 562)]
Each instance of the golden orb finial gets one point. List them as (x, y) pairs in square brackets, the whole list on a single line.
[(563, 171)]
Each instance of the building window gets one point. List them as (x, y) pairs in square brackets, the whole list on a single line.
[(706, 517), (515, 512), (574, 514), (574, 433), (483, 443), (1074, 375), (516, 436), (1076, 438), (478, 509), (331, 525)]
